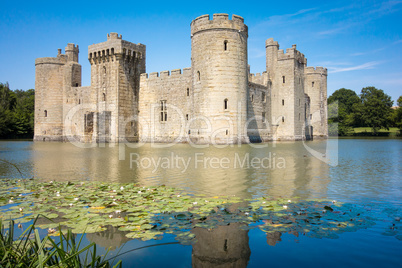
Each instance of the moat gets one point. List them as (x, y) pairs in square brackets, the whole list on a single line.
[(360, 171)]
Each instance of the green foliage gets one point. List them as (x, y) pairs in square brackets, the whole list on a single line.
[(341, 105), (398, 115), (376, 108), (29, 250), (346, 98), (16, 112), (347, 111)]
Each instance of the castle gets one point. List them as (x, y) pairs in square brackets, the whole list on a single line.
[(216, 100)]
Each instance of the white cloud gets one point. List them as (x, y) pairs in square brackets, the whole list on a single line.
[(365, 66)]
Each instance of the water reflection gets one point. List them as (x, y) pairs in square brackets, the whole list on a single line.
[(368, 169), (224, 246), (110, 238), (284, 170)]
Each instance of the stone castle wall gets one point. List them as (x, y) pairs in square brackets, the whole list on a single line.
[(316, 88), (217, 100), (220, 77), (166, 106)]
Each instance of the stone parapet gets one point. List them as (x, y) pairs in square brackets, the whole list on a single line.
[(219, 21)]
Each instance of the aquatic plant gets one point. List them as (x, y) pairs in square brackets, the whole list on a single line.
[(149, 212), (29, 250)]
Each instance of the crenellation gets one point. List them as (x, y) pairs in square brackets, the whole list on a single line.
[(219, 21), (220, 17), (237, 19), (316, 70), (153, 75), (164, 74), (114, 36), (175, 72), (287, 101)]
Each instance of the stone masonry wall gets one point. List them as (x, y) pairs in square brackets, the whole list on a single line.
[(170, 122), (316, 88), (217, 100), (49, 82), (220, 78)]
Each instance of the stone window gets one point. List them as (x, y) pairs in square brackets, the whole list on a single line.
[(283, 79), (112, 50), (79, 101), (76, 84), (187, 117), (225, 45), (283, 119), (198, 76), (189, 132), (163, 117), (283, 102), (263, 97), (188, 92), (311, 116), (312, 84), (225, 104), (263, 117), (45, 113), (103, 96), (252, 98), (227, 132)]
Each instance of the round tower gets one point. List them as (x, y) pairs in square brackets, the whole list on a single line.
[(220, 78), (315, 86), (49, 83)]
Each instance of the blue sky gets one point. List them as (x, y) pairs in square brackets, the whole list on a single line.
[(360, 42)]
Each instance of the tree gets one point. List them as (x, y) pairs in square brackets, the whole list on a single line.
[(398, 119), (376, 108), (6, 117), (345, 98), (341, 105), (16, 112)]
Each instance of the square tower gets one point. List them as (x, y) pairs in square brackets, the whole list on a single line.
[(116, 66)]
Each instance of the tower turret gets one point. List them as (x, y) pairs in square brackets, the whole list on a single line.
[(72, 52), (116, 66), (286, 72), (316, 87), (220, 78)]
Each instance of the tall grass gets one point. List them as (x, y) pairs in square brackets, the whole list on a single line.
[(29, 250)]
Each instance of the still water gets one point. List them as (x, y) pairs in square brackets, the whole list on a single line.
[(361, 171)]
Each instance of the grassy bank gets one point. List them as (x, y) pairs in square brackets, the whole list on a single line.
[(367, 131)]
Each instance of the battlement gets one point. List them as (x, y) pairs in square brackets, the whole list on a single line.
[(72, 47), (59, 60), (291, 53), (316, 70), (219, 21), (270, 42), (166, 74), (115, 46), (258, 78), (72, 52), (114, 36)]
